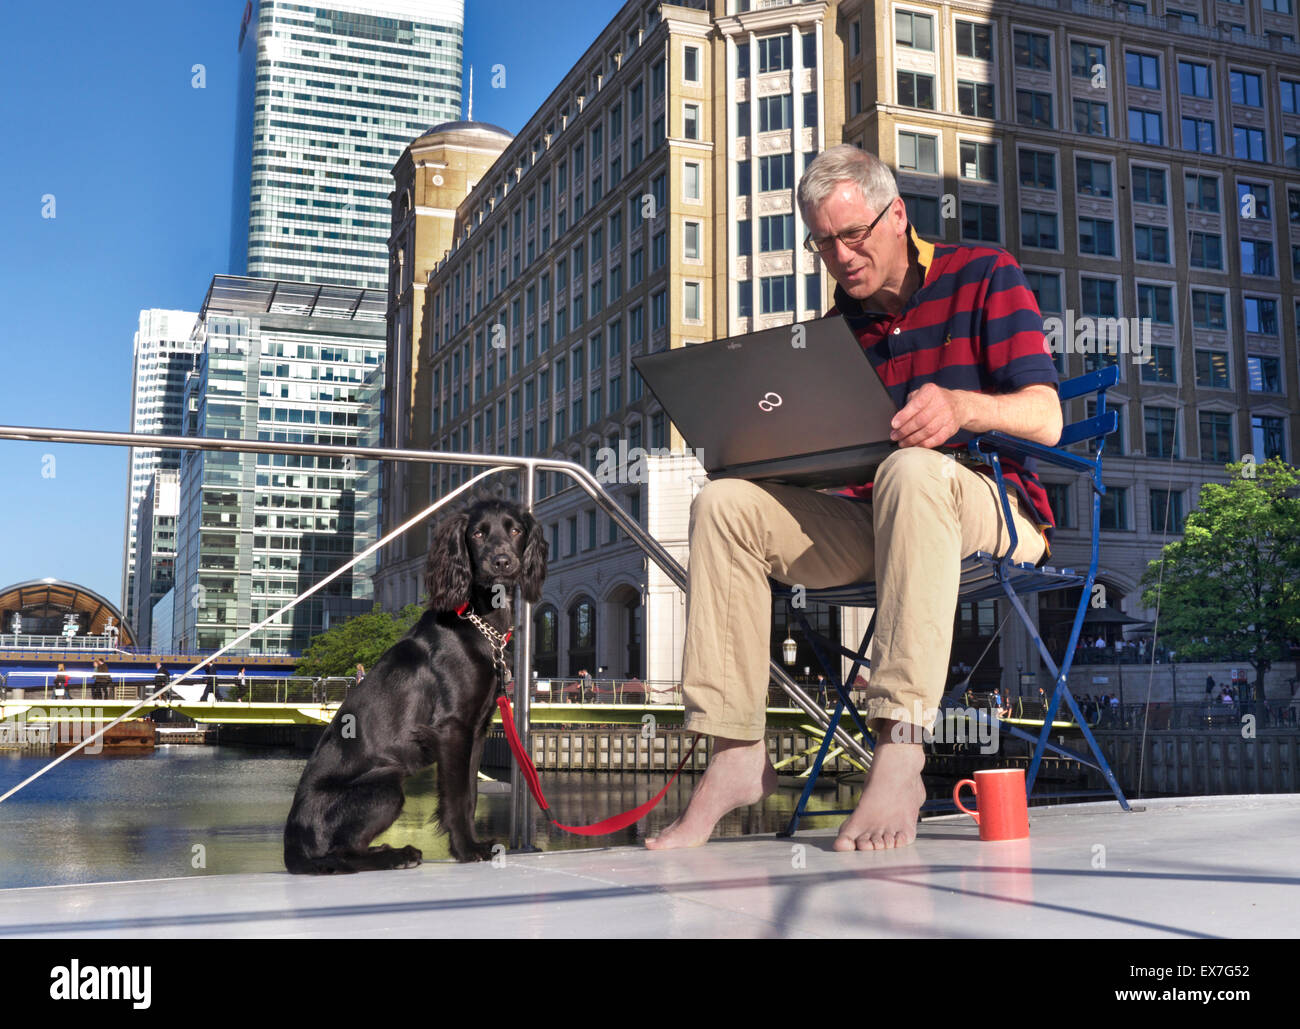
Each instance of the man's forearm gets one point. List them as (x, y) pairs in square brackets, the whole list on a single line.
[(1032, 413)]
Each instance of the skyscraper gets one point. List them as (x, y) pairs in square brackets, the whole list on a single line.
[(329, 96), (164, 353)]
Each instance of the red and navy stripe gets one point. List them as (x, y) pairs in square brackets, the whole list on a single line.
[(973, 325)]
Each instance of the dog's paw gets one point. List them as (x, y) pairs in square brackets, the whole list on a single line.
[(474, 851), (410, 857)]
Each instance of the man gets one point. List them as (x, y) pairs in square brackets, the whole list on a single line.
[(940, 323)]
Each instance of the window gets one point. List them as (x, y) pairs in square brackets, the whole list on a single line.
[(1032, 50), (974, 40), (1114, 508), (691, 64), (916, 90), (980, 222), (777, 293), (1151, 243), (1166, 511), (1093, 178), (774, 54), (1046, 287), (1290, 97), (691, 121), (1091, 117), (1267, 437), (914, 30), (774, 113), (691, 309), (1248, 143), (923, 213), (776, 171), (1212, 371), (1290, 150), (691, 241), (810, 109), (812, 286), (776, 232), (1209, 310), (1206, 250), (975, 99), (744, 238), (1261, 315), (659, 250), (1257, 257), (1202, 193), (809, 40), (1145, 126), (1038, 229), (1293, 205), (1156, 303), (1143, 70), (1034, 108), (1058, 498), (1038, 169), (1246, 88), (1084, 59), (1100, 297), (855, 38), (855, 97), (1216, 436), (1160, 365), (1280, 6), (1195, 80), (918, 153), (1149, 186), (1263, 374), (1198, 135), (979, 161), (1097, 236)]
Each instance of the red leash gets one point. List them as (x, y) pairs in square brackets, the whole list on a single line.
[(602, 828)]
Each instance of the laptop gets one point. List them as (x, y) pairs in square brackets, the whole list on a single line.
[(799, 404)]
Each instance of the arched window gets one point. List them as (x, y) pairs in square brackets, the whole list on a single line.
[(582, 636), (545, 639)]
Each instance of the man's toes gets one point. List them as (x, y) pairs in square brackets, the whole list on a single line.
[(845, 843)]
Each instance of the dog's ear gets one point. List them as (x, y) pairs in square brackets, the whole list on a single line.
[(448, 574), (534, 560)]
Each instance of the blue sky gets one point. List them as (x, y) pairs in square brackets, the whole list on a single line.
[(100, 114)]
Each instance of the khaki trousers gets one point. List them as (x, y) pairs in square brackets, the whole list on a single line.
[(927, 513)]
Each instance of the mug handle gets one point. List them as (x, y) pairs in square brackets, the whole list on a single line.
[(957, 799)]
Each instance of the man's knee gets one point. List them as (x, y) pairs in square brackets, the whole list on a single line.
[(910, 466), (724, 501)]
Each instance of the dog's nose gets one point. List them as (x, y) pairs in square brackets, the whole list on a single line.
[(502, 563)]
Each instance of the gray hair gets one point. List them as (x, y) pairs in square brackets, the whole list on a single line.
[(846, 163)]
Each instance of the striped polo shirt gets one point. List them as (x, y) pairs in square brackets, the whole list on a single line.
[(973, 324)]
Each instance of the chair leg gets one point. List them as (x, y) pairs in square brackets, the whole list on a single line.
[(822, 751)]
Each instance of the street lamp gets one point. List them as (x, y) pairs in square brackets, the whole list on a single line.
[(789, 650)]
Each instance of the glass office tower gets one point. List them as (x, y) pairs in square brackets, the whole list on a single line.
[(329, 96)]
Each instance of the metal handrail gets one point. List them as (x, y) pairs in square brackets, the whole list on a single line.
[(521, 826)]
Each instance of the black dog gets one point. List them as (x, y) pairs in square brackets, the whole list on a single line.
[(429, 699)]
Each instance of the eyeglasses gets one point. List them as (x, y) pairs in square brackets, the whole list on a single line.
[(851, 238)]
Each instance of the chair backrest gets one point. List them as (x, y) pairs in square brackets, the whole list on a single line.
[(1103, 422)]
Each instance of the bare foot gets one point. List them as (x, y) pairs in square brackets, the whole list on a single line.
[(739, 775), (886, 814)]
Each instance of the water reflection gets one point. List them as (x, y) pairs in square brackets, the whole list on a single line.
[(217, 810)]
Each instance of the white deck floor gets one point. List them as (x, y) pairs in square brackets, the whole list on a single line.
[(1203, 867)]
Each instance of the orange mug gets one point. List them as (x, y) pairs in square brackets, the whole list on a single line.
[(1000, 795)]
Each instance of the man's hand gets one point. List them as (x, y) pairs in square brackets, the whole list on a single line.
[(931, 415)]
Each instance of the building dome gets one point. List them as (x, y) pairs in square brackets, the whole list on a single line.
[(469, 126)]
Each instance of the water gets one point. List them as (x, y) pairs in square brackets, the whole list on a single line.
[(185, 810)]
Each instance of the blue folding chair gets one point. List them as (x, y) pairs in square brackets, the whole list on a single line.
[(983, 577)]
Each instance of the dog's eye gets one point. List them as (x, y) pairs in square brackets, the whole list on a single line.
[(514, 531), (477, 534)]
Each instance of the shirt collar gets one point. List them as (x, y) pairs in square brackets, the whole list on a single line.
[(920, 253)]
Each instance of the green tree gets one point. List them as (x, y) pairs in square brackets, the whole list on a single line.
[(1230, 589), (362, 638)]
